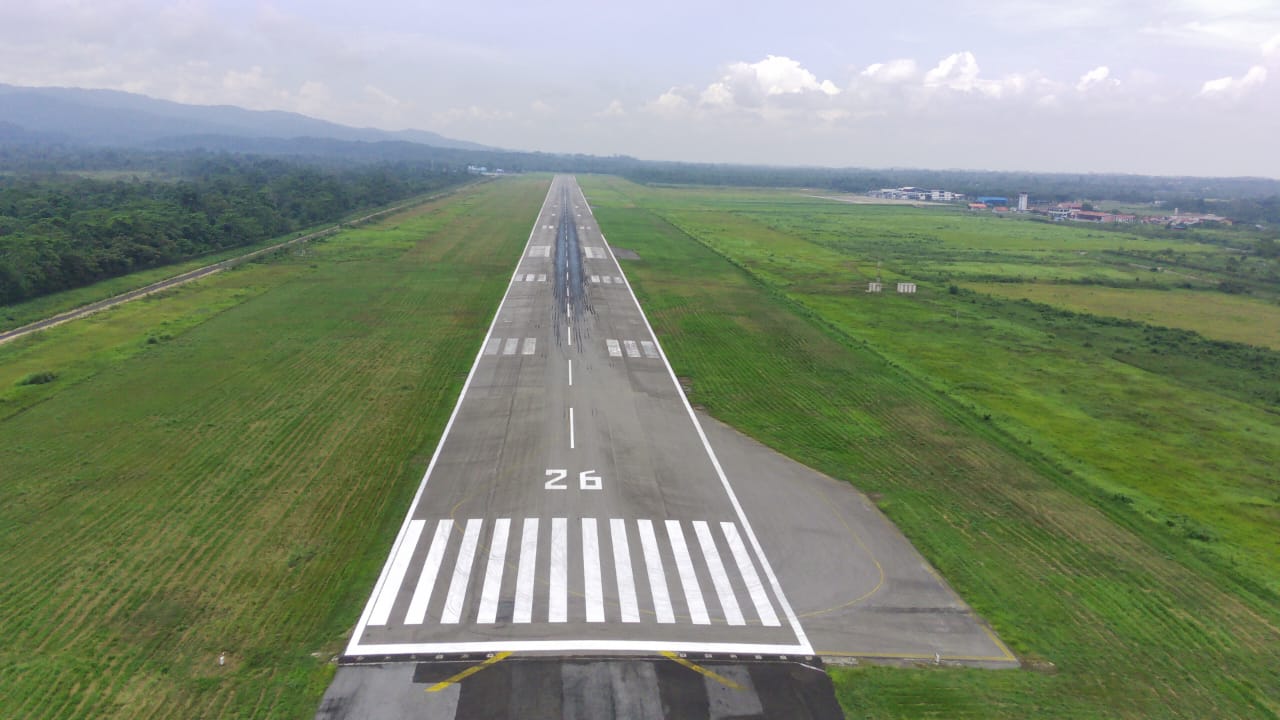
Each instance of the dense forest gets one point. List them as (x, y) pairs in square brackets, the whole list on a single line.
[(60, 231)]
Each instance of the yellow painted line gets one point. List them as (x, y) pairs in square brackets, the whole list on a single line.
[(858, 540), (497, 657), (701, 670)]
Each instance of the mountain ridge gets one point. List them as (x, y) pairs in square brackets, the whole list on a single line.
[(116, 118)]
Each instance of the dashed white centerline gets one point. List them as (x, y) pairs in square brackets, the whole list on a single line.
[(571, 373), (571, 438)]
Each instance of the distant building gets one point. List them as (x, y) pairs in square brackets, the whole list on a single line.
[(1023, 202), (994, 200)]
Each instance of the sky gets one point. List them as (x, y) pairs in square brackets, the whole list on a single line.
[(1171, 87)]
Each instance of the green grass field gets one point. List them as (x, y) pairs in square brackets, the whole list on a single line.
[(223, 468), (233, 486), (1083, 554), (1221, 317)]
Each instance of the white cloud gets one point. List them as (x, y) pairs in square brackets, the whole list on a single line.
[(776, 75), (614, 109), (1097, 77), (381, 95), (671, 102), (960, 72), (891, 71), (539, 107), (1271, 46), (1234, 87)]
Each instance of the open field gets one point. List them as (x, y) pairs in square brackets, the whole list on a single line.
[(1114, 518), (30, 311), (233, 486), (1221, 317)]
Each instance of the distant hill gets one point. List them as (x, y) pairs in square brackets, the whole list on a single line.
[(113, 118)]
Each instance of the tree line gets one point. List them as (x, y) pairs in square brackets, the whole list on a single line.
[(60, 231)]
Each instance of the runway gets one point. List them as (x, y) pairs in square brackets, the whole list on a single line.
[(575, 504)]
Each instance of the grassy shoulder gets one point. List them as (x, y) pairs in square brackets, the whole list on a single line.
[(1114, 615), (233, 487)]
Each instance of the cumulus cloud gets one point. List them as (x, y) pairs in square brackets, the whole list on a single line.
[(1097, 77), (778, 75), (891, 71), (1234, 87), (960, 72)]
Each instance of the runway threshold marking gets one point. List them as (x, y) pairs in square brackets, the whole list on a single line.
[(497, 658), (675, 657)]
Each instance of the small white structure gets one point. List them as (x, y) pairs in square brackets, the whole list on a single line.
[(907, 288), (1023, 200), (875, 287)]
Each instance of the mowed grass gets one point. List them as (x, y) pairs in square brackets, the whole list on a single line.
[(1179, 431), (1222, 317), (1113, 615), (235, 487)]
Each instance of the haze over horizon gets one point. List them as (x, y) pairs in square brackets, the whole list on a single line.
[(1191, 87)]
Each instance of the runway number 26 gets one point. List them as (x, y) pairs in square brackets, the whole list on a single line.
[(587, 480)]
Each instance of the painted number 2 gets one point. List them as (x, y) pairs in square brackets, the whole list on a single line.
[(587, 480)]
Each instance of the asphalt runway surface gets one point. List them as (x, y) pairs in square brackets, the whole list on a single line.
[(578, 506)]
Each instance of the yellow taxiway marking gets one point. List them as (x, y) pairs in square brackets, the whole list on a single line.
[(497, 657), (701, 670)]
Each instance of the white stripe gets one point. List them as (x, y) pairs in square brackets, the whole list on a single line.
[(607, 280), (510, 347), (384, 576), (657, 578), (632, 349), (452, 611), (491, 347), (585, 645), (542, 278), (530, 278), (488, 613), (593, 588), (540, 251), (558, 602), (399, 566), (622, 567), (615, 350), (617, 279), (524, 573), (724, 589), (747, 569), (571, 428), (530, 345), (802, 641), (571, 373), (688, 580), (430, 570), (595, 278), (649, 350)]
